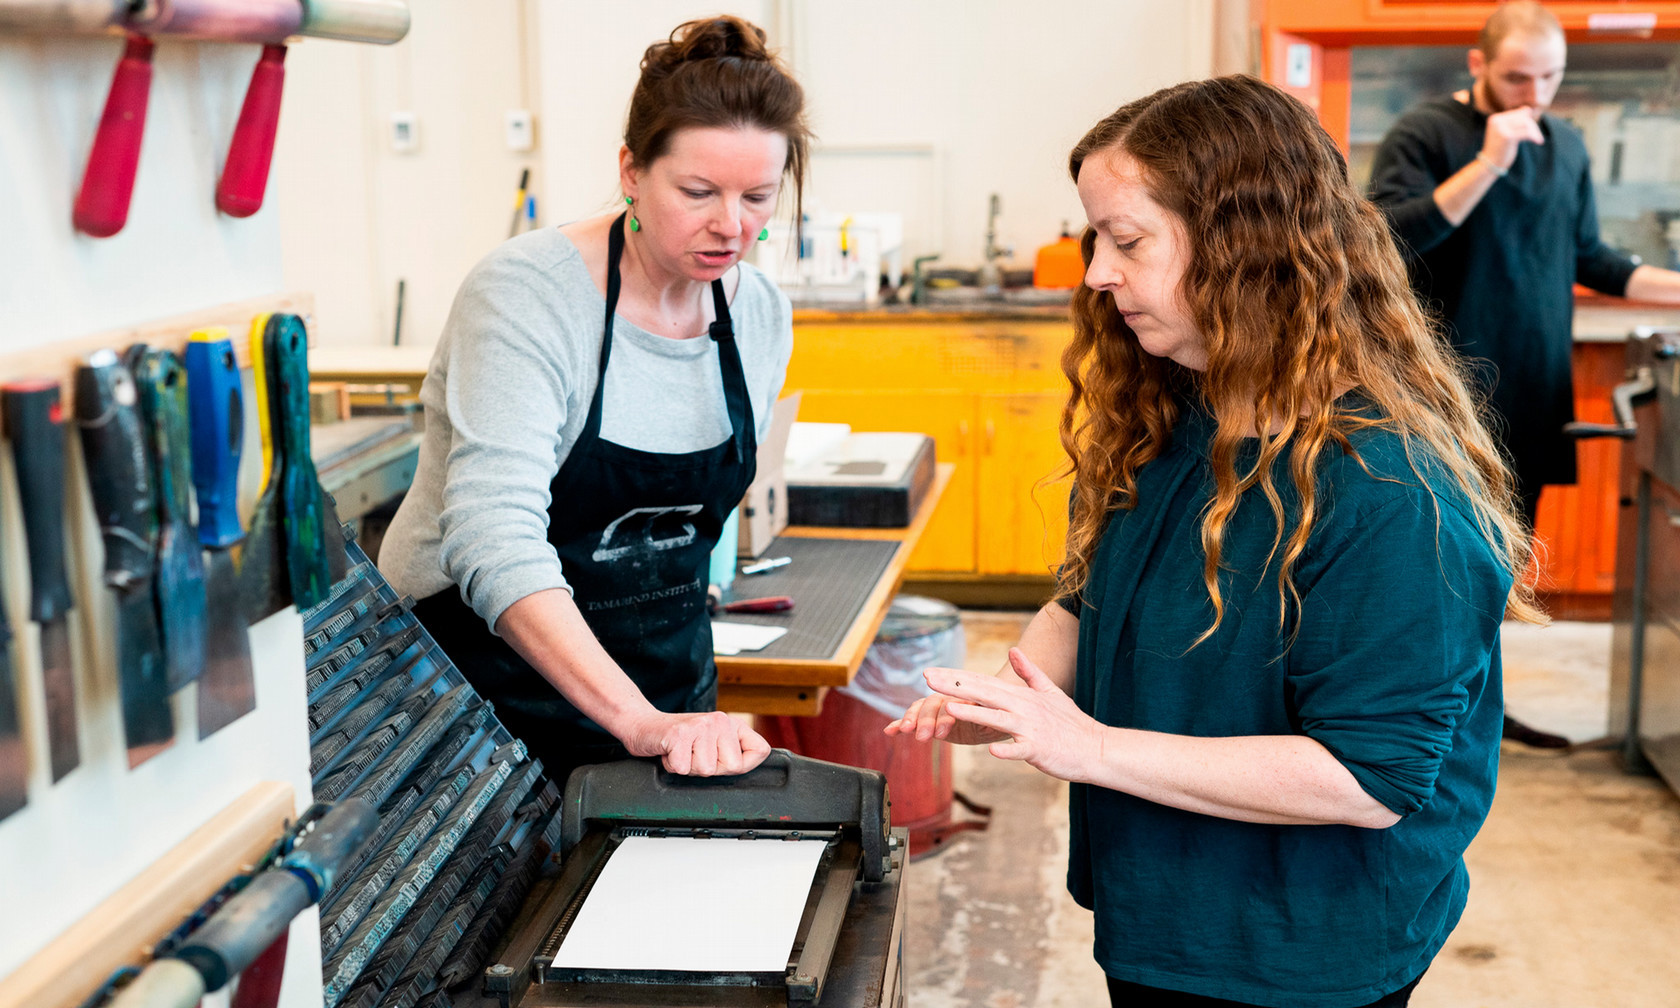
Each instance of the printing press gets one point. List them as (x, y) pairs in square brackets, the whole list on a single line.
[(1645, 613), (846, 948)]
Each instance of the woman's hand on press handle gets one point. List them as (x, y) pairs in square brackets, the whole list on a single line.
[(1033, 721), (709, 744)]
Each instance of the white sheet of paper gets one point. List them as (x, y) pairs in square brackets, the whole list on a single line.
[(733, 638), (703, 905)]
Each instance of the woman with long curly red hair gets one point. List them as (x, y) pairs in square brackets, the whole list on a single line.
[(1271, 671)]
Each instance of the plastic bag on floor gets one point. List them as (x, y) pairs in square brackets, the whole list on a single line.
[(917, 634)]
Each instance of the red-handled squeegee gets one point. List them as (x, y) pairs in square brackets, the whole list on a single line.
[(245, 175), (102, 204)]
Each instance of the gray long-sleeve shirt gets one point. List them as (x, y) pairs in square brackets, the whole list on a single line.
[(506, 396)]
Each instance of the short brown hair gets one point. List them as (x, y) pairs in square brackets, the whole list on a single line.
[(716, 72), (1518, 17)]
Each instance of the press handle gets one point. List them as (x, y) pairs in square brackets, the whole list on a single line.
[(1641, 384)]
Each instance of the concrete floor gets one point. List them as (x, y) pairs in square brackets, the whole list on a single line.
[(1575, 878)]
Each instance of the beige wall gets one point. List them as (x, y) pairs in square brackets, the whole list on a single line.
[(357, 216), (924, 108)]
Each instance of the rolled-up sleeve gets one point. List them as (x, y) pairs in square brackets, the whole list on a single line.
[(1397, 640)]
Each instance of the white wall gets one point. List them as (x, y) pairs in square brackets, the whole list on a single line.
[(357, 215), (177, 252), (922, 107), (79, 839), (998, 91)]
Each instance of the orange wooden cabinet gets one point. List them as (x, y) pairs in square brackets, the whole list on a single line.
[(988, 388), (1575, 529)]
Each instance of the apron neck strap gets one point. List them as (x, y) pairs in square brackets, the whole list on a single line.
[(722, 327), (722, 332)]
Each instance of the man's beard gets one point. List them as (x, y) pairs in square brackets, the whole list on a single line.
[(1491, 101)]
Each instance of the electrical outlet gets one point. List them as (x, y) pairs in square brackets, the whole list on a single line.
[(1298, 65), (521, 130), (405, 132)]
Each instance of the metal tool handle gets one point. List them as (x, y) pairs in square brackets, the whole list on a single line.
[(245, 174), (162, 383), (302, 515), (108, 183), (179, 561), (288, 388), (119, 478), (216, 413), (35, 424)]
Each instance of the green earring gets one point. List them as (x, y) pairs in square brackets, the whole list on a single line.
[(765, 234), (635, 225)]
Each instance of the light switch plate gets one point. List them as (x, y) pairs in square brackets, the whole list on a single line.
[(521, 130), (405, 132), (1298, 65)]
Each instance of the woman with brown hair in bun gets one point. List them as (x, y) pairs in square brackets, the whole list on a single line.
[(592, 415), (1272, 670)]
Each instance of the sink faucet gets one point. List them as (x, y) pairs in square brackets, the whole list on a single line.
[(991, 274), (918, 281)]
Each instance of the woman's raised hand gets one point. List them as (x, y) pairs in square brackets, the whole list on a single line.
[(1033, 721), (928, 717)]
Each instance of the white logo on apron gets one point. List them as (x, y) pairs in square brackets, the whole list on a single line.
[(653, 532)]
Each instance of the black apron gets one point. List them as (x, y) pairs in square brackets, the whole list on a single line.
[(634, 531)]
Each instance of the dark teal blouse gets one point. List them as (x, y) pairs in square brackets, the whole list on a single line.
[(1394, 669)]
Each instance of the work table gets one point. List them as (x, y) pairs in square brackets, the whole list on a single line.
[(1601, 319)]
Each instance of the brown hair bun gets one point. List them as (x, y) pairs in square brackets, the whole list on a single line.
[(710, 38), (716, 73)]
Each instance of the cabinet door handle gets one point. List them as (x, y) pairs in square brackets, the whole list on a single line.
[(991, 435)]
